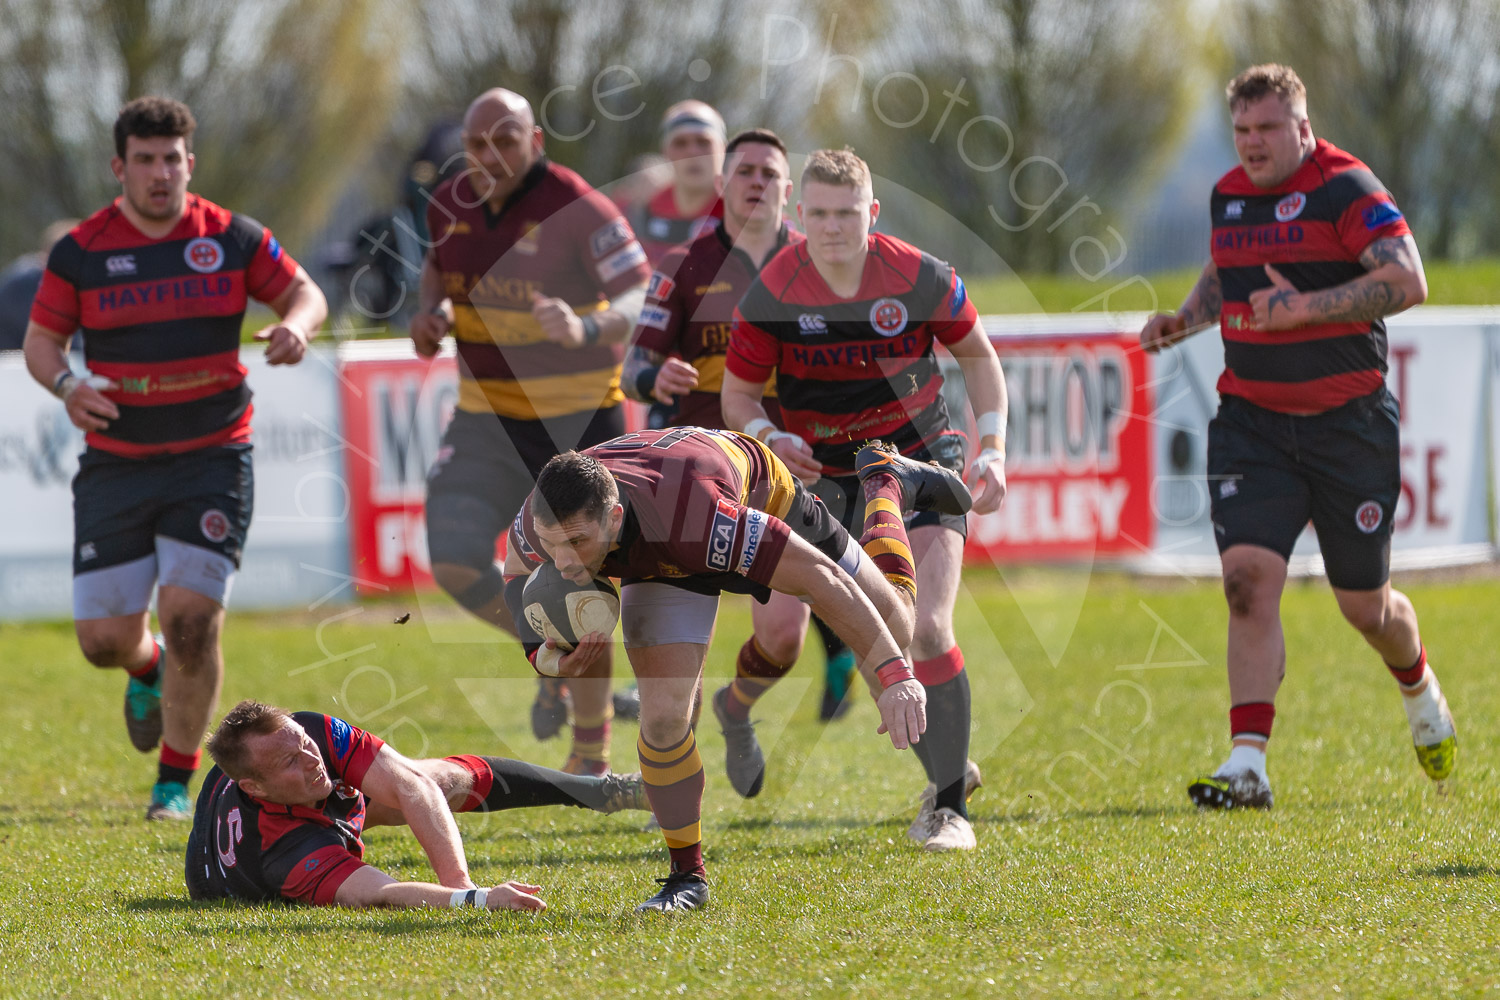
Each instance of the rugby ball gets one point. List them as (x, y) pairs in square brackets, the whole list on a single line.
[(559, 609)]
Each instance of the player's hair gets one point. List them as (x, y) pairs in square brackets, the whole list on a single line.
[(150, 117), (763, 136), (572, 484), (838, 167), (249, 718), (1268, 78)]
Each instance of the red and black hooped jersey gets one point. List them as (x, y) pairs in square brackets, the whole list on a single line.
[(661, 226), (702, 507), (161, 317), (848, 370), (689, 312), (1312, 229), (554, 236), (244, 848)]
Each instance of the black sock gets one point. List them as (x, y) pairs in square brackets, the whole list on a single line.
[(944, 749), (517, 785), (165, 772), (832, 644)]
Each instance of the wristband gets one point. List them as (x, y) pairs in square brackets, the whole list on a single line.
[(590, 330), (60, 385), (476, 898), (988, 425), (645, 383), (758, 427), (894, 671)]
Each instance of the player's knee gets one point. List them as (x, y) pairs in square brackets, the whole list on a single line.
[(781, 642), (1368, 616), (932, 635), (193, 637), (454, 578), (1244, 588), (103, 650)]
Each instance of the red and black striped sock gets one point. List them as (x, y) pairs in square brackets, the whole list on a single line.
[(884, 534), (502, 783), (754, 674), (178, 767), (674, 786), (149, 673), (1409, 677)]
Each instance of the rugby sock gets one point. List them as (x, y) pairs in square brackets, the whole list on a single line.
[(591, 741), (833, 646), (674, 786), (149, 673), (502, 783), (1249, 733), (944, 749), (884, 534), (178, 767), (754, 673), (1413, 679)]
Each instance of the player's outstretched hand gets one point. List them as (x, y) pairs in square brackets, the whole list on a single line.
[(560, 324), (86, 405), (674, 378), (515, 896), (988, 481), (903, 713), (428, 330), (797, 454), (286, 343), (1162, 330)]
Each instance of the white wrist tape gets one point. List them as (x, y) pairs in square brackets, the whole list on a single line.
[(757, 428), (774, 436), (477, 898), (986, 458), (989, 423)]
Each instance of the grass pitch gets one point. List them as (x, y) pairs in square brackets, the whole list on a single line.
[(1096, 700)]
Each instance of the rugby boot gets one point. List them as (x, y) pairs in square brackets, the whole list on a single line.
[(625, 791), (627, 703), (549, 712), (921, 827), (743, 761), (1432, 731), (143, 713), (679, 893), (585, 766), (169, 801), (948, 831), (1242, 790), (924, 485)]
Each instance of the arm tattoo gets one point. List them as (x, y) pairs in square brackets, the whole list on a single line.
[(1395, 250), (638, 360), (1278, 299), (1357, 301), (1206, 301)]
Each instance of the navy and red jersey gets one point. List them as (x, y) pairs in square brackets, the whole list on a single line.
[(245, 848), (1312, 229), (161, 317), (849, 370), (554, 236), (690, 311), (703, 509), (662, 226)]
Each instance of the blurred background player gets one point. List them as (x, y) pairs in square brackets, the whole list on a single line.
[(1306, 429), (677, 358), (681, 515), (540, 280), (158, 281), (282, 812), (692, 140), (846, 322), (19, 282)]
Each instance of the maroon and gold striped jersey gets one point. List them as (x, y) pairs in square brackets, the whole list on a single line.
[(849, 370), (161, 317), (1312, 229), (555, 236), (703, 509), (242, 847), (690, 311)]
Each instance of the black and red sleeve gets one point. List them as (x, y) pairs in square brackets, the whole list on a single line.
[(56, 306)]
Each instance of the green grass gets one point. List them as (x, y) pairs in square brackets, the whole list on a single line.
[(1094, 876), (1470, 283)]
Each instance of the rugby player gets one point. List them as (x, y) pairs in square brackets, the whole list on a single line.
[(540, 280), (158, 281), (281, 814), (1310, 253), (681, 515), (846, 323), (692, 140)]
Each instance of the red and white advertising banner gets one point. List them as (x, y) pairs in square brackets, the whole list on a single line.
[(1078, 450), (396, 408)]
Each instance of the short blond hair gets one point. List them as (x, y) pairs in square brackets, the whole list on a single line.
[(1268, 78), (838, 168)]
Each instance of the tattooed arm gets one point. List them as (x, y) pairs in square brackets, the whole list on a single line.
[(1200, 310), (1394, 281)]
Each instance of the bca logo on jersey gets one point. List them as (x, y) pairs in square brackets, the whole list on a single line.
[(721, 536), (888, 317), (1290, 207), (203, 255)]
